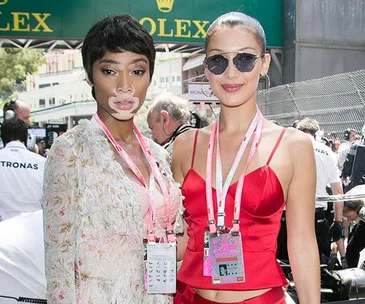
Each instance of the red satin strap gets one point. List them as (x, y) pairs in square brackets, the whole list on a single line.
[(276, 146)]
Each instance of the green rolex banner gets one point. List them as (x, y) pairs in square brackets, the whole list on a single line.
[(168, 21)]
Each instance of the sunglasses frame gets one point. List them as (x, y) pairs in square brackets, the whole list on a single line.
[(237, 53)]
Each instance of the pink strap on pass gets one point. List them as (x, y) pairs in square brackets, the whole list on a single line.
[(156, 172), (151, 185), (208, 181), (256, 124), (238, 196)]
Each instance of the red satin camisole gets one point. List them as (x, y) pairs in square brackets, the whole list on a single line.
[(261, 209)]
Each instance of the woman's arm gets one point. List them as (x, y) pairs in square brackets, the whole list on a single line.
[(60, 211), (300, 210)]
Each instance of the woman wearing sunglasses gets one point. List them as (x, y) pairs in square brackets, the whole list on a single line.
[(237, 175)]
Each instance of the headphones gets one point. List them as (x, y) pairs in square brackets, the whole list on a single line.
[(9, 110), (346, 134)]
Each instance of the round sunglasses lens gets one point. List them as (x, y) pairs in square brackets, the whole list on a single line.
[(216, 64), (245, 62)]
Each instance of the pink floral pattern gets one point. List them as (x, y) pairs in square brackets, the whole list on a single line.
[(95, 221)]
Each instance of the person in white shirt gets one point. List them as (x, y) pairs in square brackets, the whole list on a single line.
[(21, 172), (327, 174), (22, 270), (350, 137)]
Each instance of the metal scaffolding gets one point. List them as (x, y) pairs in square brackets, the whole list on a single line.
[(336, 102)]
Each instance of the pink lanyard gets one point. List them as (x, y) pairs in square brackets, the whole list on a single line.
[(256, 124), (155, 174)]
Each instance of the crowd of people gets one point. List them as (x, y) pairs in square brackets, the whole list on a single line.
[(340, 169), (108, 214)]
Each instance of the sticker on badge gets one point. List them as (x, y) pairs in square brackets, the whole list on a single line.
[(207, 265), (226, 258), (161, 268)]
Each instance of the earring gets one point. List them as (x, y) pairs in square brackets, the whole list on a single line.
[(266, 80)]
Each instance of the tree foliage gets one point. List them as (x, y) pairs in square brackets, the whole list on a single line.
[(15, 65)]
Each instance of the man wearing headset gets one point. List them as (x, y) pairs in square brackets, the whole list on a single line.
[(168, 117), (350, 137), (19, 109)]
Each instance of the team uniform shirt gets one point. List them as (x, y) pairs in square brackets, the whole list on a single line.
[(22, 271), (21, 176), (326, 170), (342, 153)]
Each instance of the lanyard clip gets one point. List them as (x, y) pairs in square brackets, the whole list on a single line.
[(151, 236), (236, 227), (170, 236), (220, 224), (212, 228)]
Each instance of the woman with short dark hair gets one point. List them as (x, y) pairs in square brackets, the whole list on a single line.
[(107, 187)]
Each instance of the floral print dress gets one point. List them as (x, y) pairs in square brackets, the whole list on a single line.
[(95, 221)]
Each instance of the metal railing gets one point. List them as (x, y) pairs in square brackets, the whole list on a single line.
[(336, 102)]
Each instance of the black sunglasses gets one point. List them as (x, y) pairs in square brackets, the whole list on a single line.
[(244, 62)]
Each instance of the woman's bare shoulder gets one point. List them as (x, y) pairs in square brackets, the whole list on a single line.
[(298, 146), (185, 141), (296, 138), (293, 142)]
